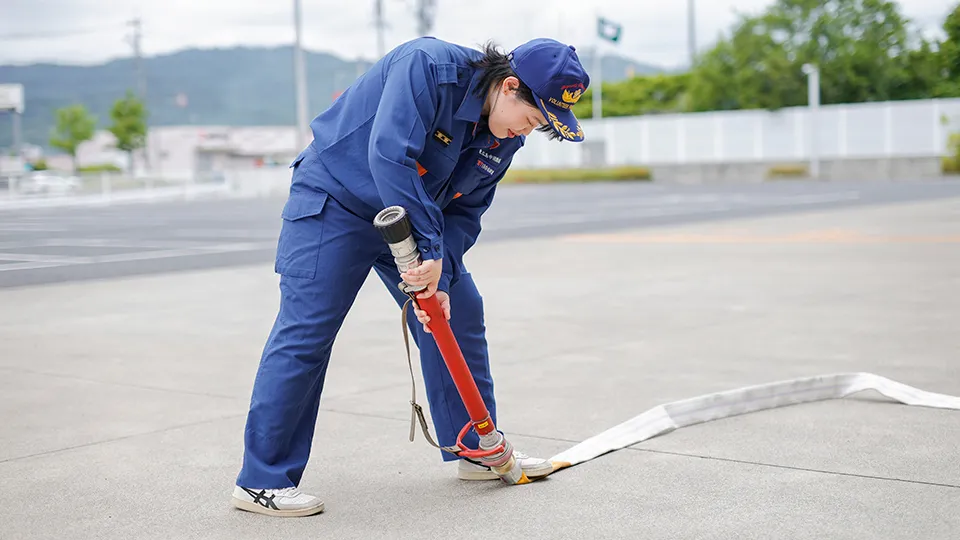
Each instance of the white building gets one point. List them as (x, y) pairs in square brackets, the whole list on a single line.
[(186, 152)]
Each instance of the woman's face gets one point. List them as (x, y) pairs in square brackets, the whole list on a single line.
[(511, 116)]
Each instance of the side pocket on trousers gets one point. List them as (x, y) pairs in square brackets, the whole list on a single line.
[(301, 234)]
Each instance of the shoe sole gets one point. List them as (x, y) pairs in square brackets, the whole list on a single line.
[(257, 509)]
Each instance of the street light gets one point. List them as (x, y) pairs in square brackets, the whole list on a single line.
[(813, 103)]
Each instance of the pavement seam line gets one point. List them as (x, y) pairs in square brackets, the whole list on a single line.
[(713, 458), (804, 469), (354, 393), (171, 428), (123, 438), (680, 454), (363, 415), (747, 462), (115, 383), (540, 437)]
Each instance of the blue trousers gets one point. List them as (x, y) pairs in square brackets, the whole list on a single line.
[(324, 255)]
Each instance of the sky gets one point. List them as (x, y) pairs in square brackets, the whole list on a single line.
[(94, 31)]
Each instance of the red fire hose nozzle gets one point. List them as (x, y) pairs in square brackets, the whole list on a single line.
[(494, 451)]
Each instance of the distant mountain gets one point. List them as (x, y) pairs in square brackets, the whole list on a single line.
[(239, 86)]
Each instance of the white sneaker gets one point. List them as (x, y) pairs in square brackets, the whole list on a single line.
[(287, 502), (533, 467)]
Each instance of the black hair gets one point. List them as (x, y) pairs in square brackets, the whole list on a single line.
[(496, 68)]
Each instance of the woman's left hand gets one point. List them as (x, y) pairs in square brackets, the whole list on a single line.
[(427, 274), (422, 316)]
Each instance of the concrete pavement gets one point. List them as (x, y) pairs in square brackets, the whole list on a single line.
[(123, 401)]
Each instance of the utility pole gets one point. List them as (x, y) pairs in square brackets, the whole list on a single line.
[(138, 57), (425, 16), (300, 79), (379, 23), (692, 30), (17, 133), (135, 42), (812, 71)]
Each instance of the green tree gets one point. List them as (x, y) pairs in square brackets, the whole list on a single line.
[(865, 49), (710, 85), (924, 74), (74, 125), (129, 124), (639, 95), (948, 84), (752, 69), (861, 46), (950, 48)]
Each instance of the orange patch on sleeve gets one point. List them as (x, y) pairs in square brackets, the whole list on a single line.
[(420, 170), (457, 195)]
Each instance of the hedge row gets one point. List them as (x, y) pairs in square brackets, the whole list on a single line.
[(541, 176), (950, 166)]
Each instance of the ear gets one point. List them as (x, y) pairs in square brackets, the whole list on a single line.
[(510, 84)]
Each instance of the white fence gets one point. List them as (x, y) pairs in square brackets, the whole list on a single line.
[(918, 128), (45, 190)]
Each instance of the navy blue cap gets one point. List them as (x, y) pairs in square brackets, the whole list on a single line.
[(553, 72)]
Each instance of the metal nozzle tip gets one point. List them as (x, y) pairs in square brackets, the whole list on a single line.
[(394, 224), (511, 473)]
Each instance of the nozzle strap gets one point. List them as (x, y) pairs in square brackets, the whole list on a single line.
[(416, 411)]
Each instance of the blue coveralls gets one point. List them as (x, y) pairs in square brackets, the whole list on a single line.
[(409, 133)]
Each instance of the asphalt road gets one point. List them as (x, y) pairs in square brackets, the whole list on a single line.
[(77, 243)]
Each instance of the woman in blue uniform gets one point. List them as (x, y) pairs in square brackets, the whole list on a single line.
[(431, 127)]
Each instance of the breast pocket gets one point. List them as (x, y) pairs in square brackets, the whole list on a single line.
[(472, 172), (436, 165)]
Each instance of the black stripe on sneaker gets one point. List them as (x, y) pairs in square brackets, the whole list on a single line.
[(475, 462), (261, 498)]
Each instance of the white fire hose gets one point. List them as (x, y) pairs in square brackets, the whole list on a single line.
[(668, 417)]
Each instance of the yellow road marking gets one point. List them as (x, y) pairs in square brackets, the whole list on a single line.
[(828, 236)]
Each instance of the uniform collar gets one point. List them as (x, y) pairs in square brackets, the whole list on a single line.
[(471, 106), (471, 109)]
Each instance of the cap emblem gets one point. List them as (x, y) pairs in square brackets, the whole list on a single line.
[(572, 97)]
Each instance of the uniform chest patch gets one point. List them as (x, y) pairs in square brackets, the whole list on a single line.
[(442, 136), (484, 167), (490, 157)]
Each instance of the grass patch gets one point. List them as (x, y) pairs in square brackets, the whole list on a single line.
[(108, 167), (949, 165), (787, 171), (94, 184), (550, 176)]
